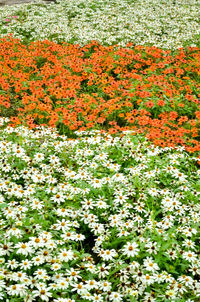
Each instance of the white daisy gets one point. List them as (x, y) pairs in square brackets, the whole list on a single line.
[(150, 265), (43, 293), (130, 249)]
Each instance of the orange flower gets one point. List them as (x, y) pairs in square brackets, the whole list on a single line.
[(59, 83)]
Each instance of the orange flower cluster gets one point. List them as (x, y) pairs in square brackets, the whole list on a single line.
[(143, 88)]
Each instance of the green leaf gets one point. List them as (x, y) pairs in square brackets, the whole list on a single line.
[(3, 205)]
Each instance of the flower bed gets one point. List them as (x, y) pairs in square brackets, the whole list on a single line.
[(101, 218), (99, 146), (142, 88), (165, 24)]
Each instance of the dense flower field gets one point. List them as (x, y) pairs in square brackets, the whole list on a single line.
[(100, 218), (168, 24), (95, 86), (99, 151)]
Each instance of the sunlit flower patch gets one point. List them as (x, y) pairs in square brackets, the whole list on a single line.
[(97, 87), (103, 204), (98, 218), (168, 24)]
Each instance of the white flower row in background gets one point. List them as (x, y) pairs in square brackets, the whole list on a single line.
[(166, 24)]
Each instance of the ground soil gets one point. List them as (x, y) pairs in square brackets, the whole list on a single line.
[(13, 2)]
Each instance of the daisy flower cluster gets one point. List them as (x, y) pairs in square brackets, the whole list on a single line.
[(166, 24), (97, 218)]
